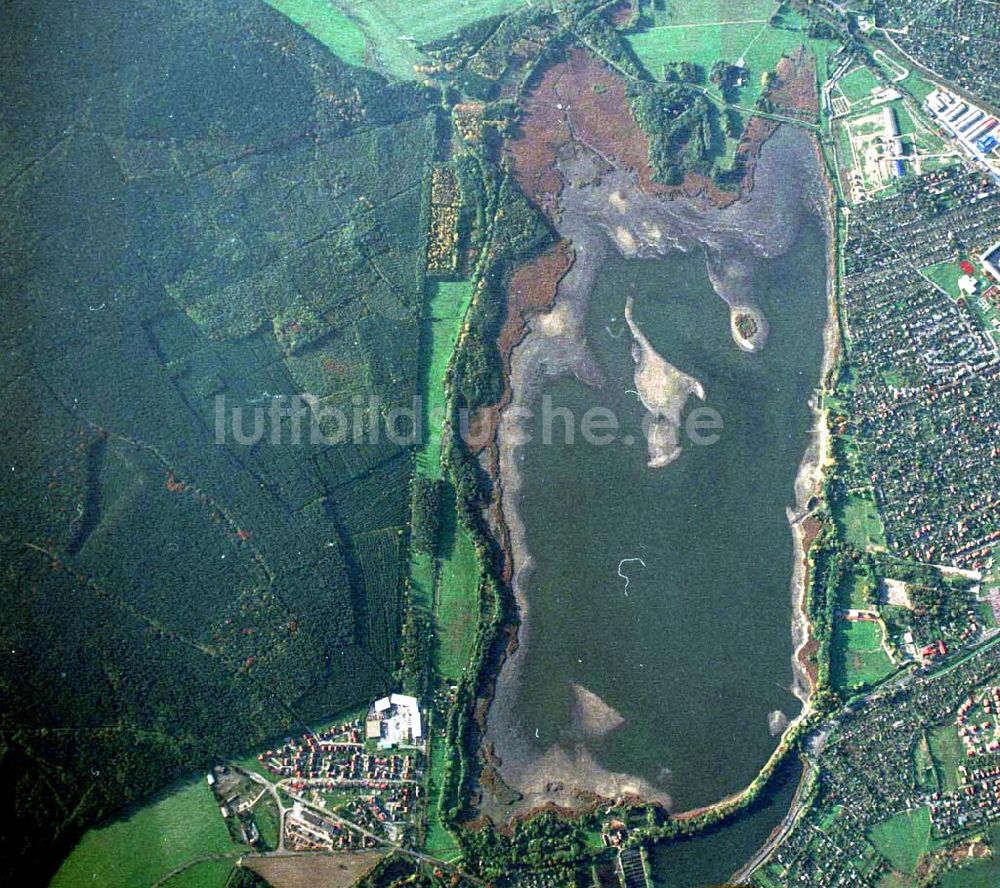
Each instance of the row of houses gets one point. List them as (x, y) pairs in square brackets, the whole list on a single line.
[(975, 130)]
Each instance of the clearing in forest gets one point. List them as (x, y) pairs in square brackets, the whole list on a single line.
[(142, 848)]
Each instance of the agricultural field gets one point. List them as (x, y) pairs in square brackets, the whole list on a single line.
[(856, 655), (395, 29), (903, 838), (333, 871), (328, 25), (704, 32), (147, 845)]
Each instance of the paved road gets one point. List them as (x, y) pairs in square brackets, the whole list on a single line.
[(379, 840), (818, 742)]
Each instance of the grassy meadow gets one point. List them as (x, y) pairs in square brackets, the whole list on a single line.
[(328, 25), (392, 30), (903, 838), (705, 31), (147, 845), (857, 655)]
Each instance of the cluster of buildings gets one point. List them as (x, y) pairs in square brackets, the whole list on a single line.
[(337, 765), (974, 805), (924, 405), (955, 39), (394, 721), (305, 830), (355, 771), (893, 142), (974, 129), (979, 736), (868, 774), (384, 815)]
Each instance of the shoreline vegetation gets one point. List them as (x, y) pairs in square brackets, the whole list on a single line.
[(552, 348), (802, 526)]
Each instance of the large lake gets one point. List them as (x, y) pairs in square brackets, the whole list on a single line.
[(697, 654)]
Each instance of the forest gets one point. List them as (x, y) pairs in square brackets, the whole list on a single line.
[(245, 232)]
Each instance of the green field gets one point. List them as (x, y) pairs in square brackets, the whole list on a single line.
[(457, 605), (924, 769), (144, 847), (856, 85), (695, 12), (856, 591), (422, 579), (703, 32), (449, 586), (917, 86), (265, 815), (857, 655), (947, 752), (438, 841), (860, 522), (394, 28), (328, 25), (903, 838), (945, 275), (445, 309)]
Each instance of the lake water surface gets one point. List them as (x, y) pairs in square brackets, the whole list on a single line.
[(698, 652)]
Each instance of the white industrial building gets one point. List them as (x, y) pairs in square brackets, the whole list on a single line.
[(394, 721), (975, 130)]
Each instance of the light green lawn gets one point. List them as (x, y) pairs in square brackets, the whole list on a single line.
[(447, 303), (947, 752), (207, 874), (945, 275), (328, 25), (857, 84), (265, 815), (917, 87), (422, 579), (703, 11), (457, 606), (145, 846), (856, 591), (394, 28), (725, 34), (457, 575), (860, 522), (857, 655), (906, 125), (439, 841), (902, 839)]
